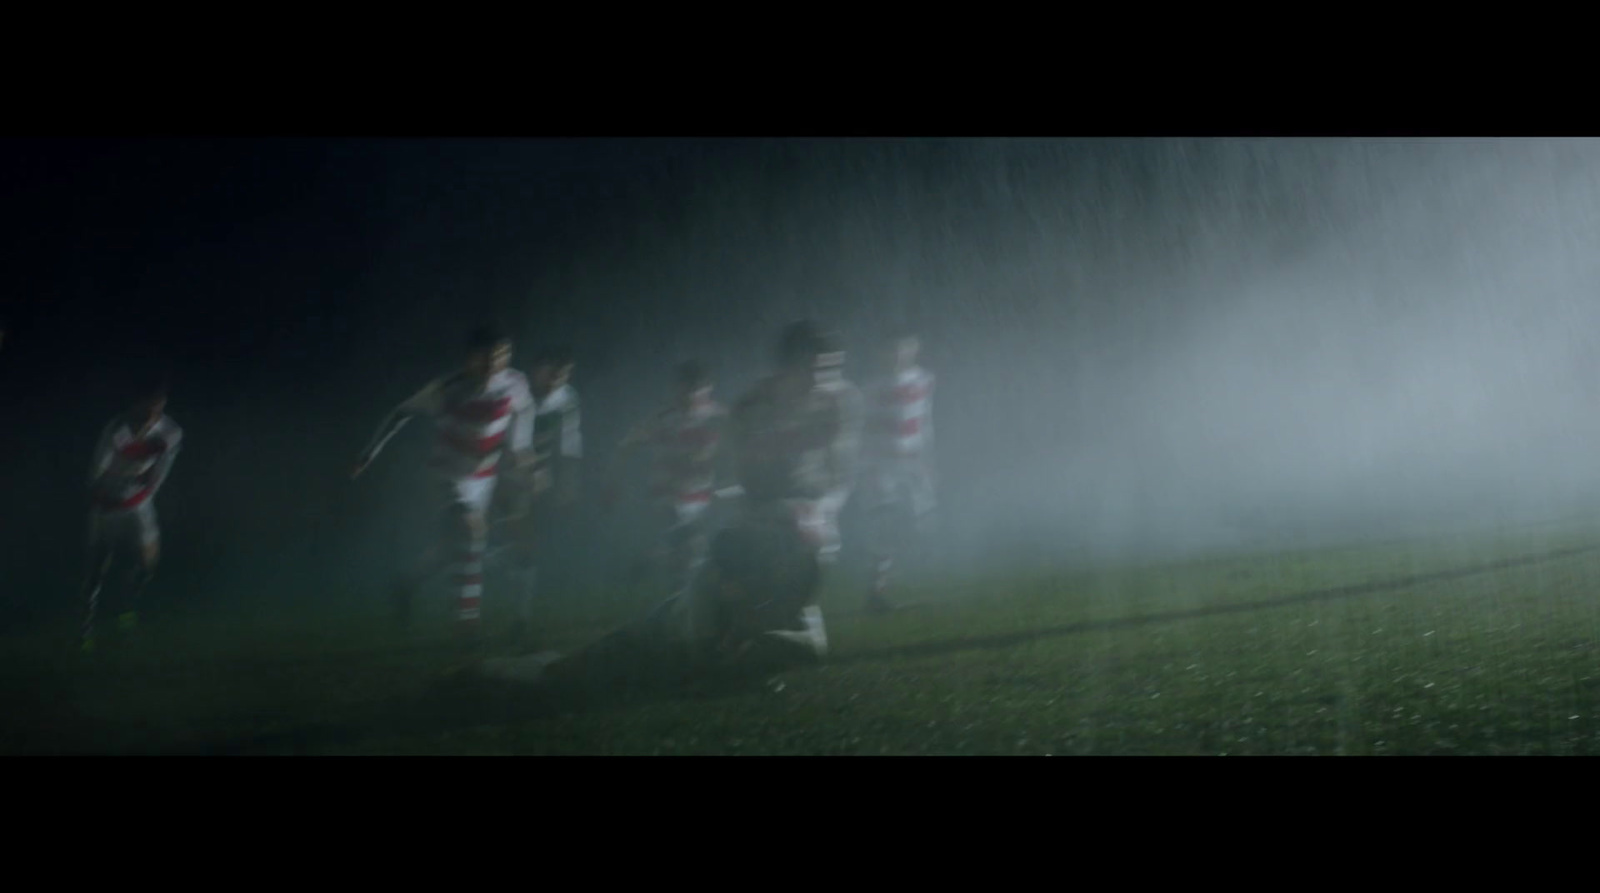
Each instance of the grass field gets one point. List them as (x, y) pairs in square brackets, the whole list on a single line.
[(1455, 646)]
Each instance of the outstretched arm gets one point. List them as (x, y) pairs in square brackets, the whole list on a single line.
[(424, 402), (158, 474)]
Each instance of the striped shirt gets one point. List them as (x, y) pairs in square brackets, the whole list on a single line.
[(901, 416), (473, 422), (127, 469), (685, 442)]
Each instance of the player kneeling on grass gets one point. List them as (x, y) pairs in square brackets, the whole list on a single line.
[(747, 612), (131, 462)]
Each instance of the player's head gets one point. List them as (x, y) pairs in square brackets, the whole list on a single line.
[(552, 368), (149, 404), (488, 351), (693, 379), (904, 350), (806, 349)]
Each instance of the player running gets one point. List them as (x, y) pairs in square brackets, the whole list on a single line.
[(131, 463), (479, 411), (794, 441), (542, 512), (684, 437), (897, 474)]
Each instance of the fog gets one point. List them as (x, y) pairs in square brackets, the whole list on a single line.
[(1144, 348)]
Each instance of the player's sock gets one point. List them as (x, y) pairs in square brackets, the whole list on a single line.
[(469, 581)]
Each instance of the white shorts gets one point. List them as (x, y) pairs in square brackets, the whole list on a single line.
[(818, 520), (472, 494), (116, 528), (902, 483)]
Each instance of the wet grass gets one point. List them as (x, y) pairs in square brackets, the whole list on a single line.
[(1446, 647)]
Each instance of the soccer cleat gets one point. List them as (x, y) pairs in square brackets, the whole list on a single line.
[(811, 633)]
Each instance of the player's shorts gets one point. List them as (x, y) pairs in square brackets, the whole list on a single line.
[(899, 484), (124, 528), (818, 522), (470, 495)]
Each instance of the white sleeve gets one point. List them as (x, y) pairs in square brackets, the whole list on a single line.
[(522, 421)]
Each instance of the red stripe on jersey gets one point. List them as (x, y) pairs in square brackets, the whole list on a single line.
[(469, 579), (481, 411), (487, 472), (131, 502), (909, 427), (468, 602), (138, 450), (474, 446), (699, 497)]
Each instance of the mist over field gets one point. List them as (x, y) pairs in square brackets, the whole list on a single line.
[(1144, 347)]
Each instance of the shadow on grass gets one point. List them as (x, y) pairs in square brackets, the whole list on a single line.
[(608, 675), (1010, 640), (611, 674)]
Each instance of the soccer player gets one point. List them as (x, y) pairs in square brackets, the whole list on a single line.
[(543, 511), (131, 463), (897, 480), (794, 440), (684, 436), (479, 411)]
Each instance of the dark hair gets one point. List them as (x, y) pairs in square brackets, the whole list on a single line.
[(693, 374), (487, 336), (554, 356), (802, 343)]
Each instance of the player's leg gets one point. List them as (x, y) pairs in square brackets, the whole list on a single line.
[(146, 530), (100, 555), (472, 540)]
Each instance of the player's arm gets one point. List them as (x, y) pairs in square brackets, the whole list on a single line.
[(158, 475), (522, 422), (424, 402)]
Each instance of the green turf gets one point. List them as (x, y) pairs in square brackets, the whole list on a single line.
[(1263, 654)]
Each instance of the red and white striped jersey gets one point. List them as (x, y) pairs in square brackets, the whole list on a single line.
[(473, 422), (901, 411), (797, 445), (127, 469), (685, 441)]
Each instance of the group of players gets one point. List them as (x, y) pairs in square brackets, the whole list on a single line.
[(785, 458)]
